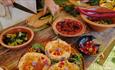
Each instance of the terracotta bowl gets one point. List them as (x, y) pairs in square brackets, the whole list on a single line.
[(30, 36), (95, 26), (82, 31)]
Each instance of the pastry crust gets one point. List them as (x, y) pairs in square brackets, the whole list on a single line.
[(64, 65), (26, 61), (58, 49)]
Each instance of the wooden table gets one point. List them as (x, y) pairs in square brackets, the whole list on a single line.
[(10, 58)]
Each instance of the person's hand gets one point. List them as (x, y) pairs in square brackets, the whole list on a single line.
[(52, 6), (7, 2)]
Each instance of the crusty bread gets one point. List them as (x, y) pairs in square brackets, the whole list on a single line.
[(35, 22)]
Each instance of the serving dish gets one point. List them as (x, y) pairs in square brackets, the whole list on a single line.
[(88, 45), (99, 24), (56, 57), (16, 37), (68, 27), (10, 58)]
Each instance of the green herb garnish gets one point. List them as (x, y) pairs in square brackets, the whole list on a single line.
[(113, 60), (38, 47), (60, 2), (71, 10), (54, 61), (108, 21), (104, 21), (93, 2), (14, 39), (75, 58)]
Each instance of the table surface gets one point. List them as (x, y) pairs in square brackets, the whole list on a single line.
[(8, 59), (108, 65)]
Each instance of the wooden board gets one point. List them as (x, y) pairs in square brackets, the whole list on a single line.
[(107, 51), (10, 58)]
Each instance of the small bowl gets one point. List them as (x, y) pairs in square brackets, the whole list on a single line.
[(88, 45), (30, 36), (95, 26), (81, 27)]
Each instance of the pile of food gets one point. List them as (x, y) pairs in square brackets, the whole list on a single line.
[(110, 4), (88, 45), (72, 23), (58, 55), (15, 38), (68, 27)]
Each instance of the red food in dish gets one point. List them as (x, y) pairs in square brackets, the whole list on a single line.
[(98, 10), (104, 14), (69, 27)]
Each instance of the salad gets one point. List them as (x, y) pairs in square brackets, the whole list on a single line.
[(15, 39)]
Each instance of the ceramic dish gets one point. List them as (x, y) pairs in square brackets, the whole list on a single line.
[(88, 45), (68, 27), (98, 26), (12, 37)]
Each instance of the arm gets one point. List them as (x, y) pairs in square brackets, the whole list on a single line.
[(52, 6), (7, 2)]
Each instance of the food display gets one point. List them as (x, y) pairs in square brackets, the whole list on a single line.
[(64, 65), (57, 56), (98, 18), (16, 37), (107, 4), (58, 50), (34, 61), (68, 27), (88, 45), (62, 41)]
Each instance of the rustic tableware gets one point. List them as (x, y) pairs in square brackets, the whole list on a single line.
[(30, 36), (80, 32)]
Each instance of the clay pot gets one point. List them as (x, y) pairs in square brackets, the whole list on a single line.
[(14, 30), (97, 27), (82, 31)]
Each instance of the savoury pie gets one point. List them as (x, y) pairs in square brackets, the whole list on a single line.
[(58, 49), (64, 65), (34, 61)]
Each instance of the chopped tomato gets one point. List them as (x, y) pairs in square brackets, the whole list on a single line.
[(69, 26)]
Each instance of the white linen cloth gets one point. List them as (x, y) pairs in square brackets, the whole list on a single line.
[(18, 15)]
